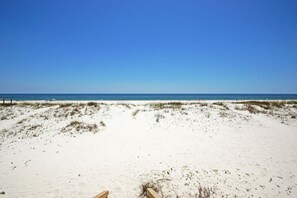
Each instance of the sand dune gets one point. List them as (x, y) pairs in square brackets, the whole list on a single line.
[(78, 149)]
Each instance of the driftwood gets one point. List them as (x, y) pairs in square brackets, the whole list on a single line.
[(104, 194), (150, 193)]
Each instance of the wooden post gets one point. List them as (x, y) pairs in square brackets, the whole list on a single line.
[(10, 101), (150, 193), (104, 194), (3, 100)]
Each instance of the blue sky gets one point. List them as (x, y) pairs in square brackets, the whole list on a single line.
[(169, 46)]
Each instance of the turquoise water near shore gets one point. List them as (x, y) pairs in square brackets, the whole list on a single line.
[(20, 97)]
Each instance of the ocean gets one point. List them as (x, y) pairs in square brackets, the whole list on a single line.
[(24, 97)]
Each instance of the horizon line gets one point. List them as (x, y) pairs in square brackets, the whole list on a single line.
[(119, 93)]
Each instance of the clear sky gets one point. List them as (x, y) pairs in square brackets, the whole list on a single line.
[(148, 46)]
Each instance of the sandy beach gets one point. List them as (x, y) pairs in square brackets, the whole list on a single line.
[(79, 149)]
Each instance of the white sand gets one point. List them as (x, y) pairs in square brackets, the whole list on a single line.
[(232, 151)]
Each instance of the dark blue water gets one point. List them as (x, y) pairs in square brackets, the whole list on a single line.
[(149, 96)]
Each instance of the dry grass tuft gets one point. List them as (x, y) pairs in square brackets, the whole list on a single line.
[(80, 127), (205, 192), (135, 112), (159, 116)]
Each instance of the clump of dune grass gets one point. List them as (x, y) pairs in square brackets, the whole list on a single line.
[(159, 116), (267, 105), (205, 192), (65, 105), (223, 114), (134, 113), (47, 104), (36, 105), (6, 104), (80, 127), (31, 128), (221, 104), (291, 102), (125, 105), (66, 110), (3, 117), (201, 104), (168, 105), (250, 109), (145, 186), (75, 111), (92, 104), (102, 124)]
